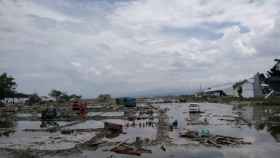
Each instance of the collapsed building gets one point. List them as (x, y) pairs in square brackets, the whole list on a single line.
[(250, 88), (260, 85), (273, 79)]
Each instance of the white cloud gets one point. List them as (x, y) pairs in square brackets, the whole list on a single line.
[(76, 64), (100, 46)]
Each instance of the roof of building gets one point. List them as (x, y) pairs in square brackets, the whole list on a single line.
[(219, 88)]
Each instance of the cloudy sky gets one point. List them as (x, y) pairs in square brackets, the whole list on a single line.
[(127, 47)]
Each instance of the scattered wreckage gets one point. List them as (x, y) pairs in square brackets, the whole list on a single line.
[(145, 117), (204, 137), (131, 149), (195, 108)]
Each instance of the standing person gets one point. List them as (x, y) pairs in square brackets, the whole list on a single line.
[(83, 110), (80, 109), (75, 106), (48, 117), (44, 118)]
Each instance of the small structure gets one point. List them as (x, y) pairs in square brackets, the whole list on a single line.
[(194, 108), (47, 99)]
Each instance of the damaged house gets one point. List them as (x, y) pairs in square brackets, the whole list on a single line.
[(223, 90), (249, 88), (260, 85), (273, 79)]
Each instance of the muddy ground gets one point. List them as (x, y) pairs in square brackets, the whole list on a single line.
[(259, 125)]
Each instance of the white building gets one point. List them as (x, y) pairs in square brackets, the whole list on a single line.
[(47, 99), (250, 87), (8, 101), (247, 89)]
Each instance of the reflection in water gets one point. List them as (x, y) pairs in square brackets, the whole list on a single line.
[(263, 118), (7, 123), (274, 131), (7, 120), (194, 116)]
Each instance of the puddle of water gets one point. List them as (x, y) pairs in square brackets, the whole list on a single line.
[(42, 140), (214, 112), (108, 114), (94, 113), (20, 115), (113, 114), (90, 124), (34, 124)]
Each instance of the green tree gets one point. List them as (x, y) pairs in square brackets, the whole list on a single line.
[(33, 99), (64, 97), (74, 96), (56, 94), (7, 86)]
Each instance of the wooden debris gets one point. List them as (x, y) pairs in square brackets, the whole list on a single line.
[(53, 129), (113, 127), (126, 149), (214, 140), (6, 132), (70, 131)]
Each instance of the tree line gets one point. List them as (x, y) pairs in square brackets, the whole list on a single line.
[(63, 96), (8, 87)]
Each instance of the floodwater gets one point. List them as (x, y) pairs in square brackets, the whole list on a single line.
[(260, 125)]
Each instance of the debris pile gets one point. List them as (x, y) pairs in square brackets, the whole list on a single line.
[(112, 130), (218, 141), (131, 149), (126, 149), (6, 132)]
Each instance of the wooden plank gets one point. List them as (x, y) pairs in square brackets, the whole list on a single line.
[(53, 128)]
